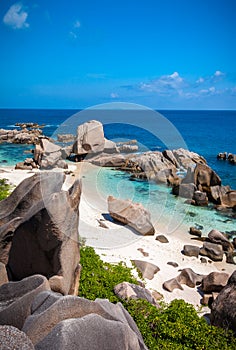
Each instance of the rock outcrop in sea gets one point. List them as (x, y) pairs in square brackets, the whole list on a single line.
[(29, 133)]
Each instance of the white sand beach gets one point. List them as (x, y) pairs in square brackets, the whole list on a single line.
[(120, 243)]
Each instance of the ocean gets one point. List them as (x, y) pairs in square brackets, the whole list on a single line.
[(204, 132)]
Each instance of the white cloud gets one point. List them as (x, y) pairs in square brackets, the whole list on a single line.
[(210, 91), (16, 17), (114, 95), (77, 24), (200, 80), (218, 73), (164, 84)]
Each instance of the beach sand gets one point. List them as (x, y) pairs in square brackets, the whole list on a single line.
[(120, 243)]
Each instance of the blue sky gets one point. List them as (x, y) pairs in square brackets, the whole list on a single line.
[(172, 54)]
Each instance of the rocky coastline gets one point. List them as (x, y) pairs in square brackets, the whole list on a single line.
[(41, 218)]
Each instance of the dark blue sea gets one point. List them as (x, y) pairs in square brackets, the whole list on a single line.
[(204, 132)]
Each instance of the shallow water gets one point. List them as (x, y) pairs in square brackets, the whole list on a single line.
[(164, 207)]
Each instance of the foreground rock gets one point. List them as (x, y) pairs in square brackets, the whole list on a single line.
[(131, 214), (187, 277), (223, 309), (12, 338), (212, 251), (39, 231), (77, 323), (16, 299), (191, 250), (49, 320), (126, 291), (148, 270), (214, 282), (217, 237)]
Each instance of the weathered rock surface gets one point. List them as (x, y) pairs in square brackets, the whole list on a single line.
[(90, 138), (187, 277), (216, 193), (184, 190), (214, 282), (94, 332), (3, 274), (223, 309), (39, 231), (195, 232), (131, 214), (212, 251), (200, 198), (191, 250), (105, 160), (148, 270), (217, 237), (172, 284), (12, 338), (229, 199), (29, 133), (16, 299), (190, 278), (232, 158), (57, 322), (126, 291), (162, 239), (47, 155)]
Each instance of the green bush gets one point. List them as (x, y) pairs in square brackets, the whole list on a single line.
[(98, 279), (4, 189), (176, 326)]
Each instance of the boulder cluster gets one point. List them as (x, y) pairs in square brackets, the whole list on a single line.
[(218, 291), (39, 275), (214, 247), (46, 155), (227, 156), (34, 317), (29, 133)]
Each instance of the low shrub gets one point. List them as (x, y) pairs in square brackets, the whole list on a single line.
[(98, 279), (4, 189)]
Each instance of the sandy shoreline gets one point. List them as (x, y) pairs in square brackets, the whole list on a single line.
[(119, 243)]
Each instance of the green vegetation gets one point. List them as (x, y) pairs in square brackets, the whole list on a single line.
[(98, 279), (4, 189), (176, 326)]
